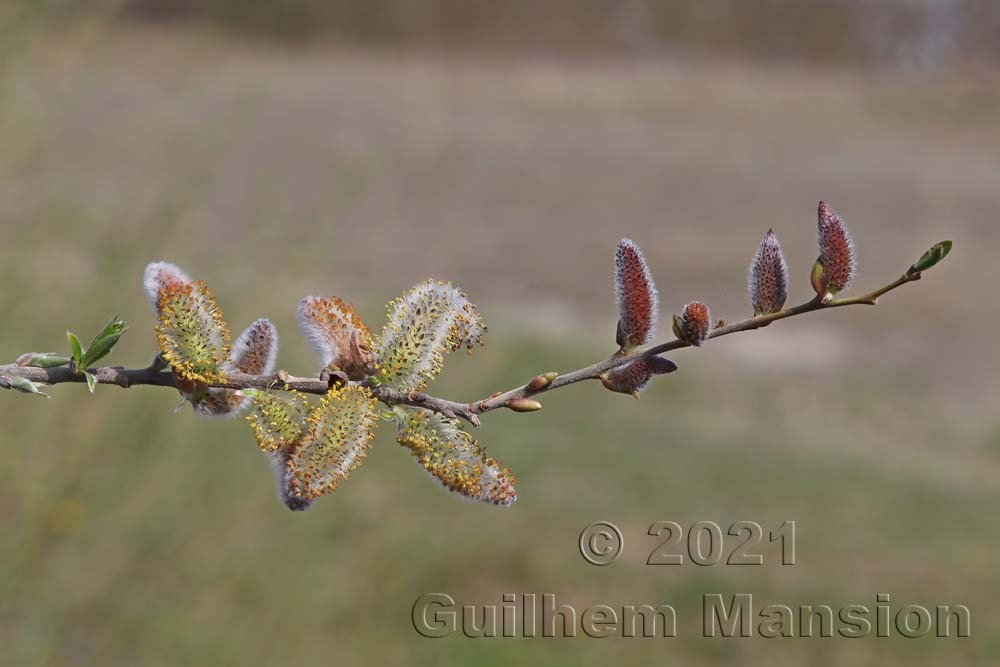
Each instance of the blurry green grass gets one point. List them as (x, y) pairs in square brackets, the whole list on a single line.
[(136, 534)]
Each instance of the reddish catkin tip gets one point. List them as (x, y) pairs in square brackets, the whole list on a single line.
[(768, 278), (634, 376), (638, 302), (695, 323), (836, 251)]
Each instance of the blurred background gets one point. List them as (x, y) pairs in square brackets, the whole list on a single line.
[(282, 148)]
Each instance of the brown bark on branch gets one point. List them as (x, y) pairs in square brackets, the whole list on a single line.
[(156, 375)]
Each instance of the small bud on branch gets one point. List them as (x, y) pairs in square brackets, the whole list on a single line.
[(542, 381), (23, 385), (937, 252), (43, 360), (524, 405), (694, 323)]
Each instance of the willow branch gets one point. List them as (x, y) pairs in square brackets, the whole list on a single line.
[(157, 375), (594, 371)]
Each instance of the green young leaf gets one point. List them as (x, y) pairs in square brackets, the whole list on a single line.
[(42, 360), (75, 348), (101, 346), (935, 254), (91, 381), (22, 384)]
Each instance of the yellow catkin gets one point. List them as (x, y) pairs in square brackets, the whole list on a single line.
[(454, 458), (340, 430), (428, 321), (190, 332)]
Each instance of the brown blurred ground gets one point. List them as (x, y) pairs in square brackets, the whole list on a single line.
[(134, 535), (908, 33), (890, 32)]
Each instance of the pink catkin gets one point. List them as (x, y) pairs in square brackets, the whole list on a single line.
[(255, 350), (634, 376), (638, 302), (836, 250), (696, 322), (768, 277)]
